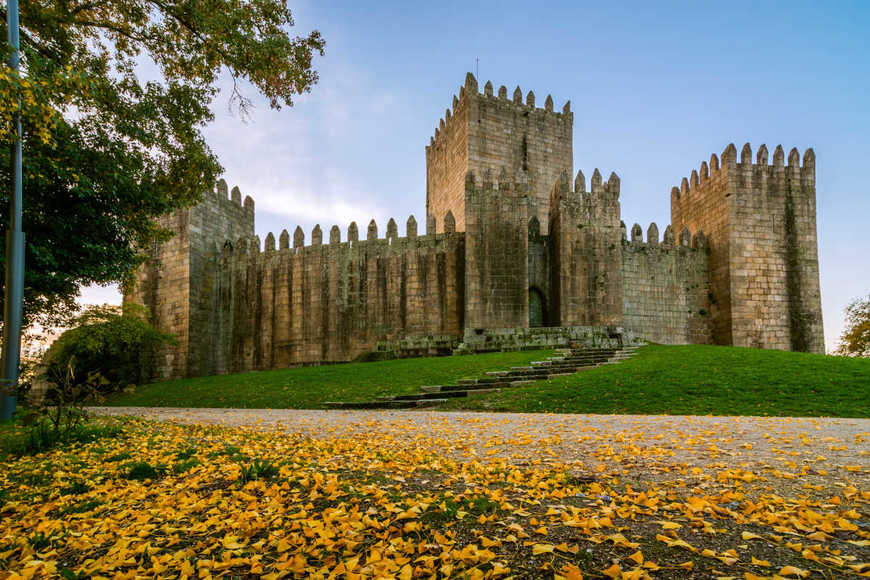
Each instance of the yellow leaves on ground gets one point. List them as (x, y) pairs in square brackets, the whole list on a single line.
[(538, 549), (391, 504), (794, 572)]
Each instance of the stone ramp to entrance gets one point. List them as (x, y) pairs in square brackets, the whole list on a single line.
[(565, 361)]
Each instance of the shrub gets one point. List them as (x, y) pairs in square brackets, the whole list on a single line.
[(106, 349)]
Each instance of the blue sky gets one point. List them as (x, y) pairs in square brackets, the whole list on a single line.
[(655, 87)]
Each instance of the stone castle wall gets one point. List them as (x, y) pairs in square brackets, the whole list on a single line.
[(497, 250), (162, 285), (665, 287), (703, 206), (330, 302), (539, 267), (760, 222)]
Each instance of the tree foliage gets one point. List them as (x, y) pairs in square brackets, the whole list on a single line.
[(855, 340), (113, 96), (106, 350)]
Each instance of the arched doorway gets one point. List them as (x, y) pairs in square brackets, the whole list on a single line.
[(537, 308)]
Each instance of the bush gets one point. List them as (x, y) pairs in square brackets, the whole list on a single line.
[(106, 349)]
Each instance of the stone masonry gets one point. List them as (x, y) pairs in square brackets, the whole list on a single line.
[(514, 254)]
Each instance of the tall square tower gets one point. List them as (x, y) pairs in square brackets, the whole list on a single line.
[(760, 222), (487, 132)]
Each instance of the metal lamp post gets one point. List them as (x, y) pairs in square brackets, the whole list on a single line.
[(14, 248)]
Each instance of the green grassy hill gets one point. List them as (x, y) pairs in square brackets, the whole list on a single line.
[(311, 387), (696, 380), (700, 380)]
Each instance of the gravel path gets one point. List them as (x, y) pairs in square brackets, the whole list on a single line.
[(838, 449)]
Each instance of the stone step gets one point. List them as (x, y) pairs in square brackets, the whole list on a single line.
[(424, 396), (481, 381), (433, 388), (514, 375), (543, 371), (564, 362), (599, 353), (438, 396), (401, 404), (475, 388)]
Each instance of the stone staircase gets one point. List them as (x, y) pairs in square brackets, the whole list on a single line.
[(565, 361)]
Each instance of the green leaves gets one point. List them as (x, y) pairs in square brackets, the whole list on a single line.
[(106, 350), (855, 340), (113, 97)]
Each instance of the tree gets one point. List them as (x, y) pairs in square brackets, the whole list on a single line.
[(105, 150), (107, 349), (855, 340)]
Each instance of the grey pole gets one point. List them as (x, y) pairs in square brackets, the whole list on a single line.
[(14, 248)]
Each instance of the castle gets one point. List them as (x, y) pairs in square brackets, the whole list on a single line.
[(515, 254)]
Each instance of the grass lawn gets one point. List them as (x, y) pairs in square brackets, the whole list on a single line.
[(699, 380), (311, 387)]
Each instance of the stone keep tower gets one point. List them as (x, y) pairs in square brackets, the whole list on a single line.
[(487, 132), (760, 220), (177, 282)]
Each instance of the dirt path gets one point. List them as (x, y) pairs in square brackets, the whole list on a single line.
[(801, 450)]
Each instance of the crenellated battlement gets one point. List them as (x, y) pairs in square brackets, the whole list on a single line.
[(492, 182), (665, 284), (489, 131), (600, 204), (470, 91), (742, 167), (222, 195), (584, 229), (684, 241), (247, 246)]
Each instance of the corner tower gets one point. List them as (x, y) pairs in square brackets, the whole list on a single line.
[(760, 222), (177, 281), (487, 132)]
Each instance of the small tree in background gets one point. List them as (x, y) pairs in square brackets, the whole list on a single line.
[(855, 340), (106, 349)]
